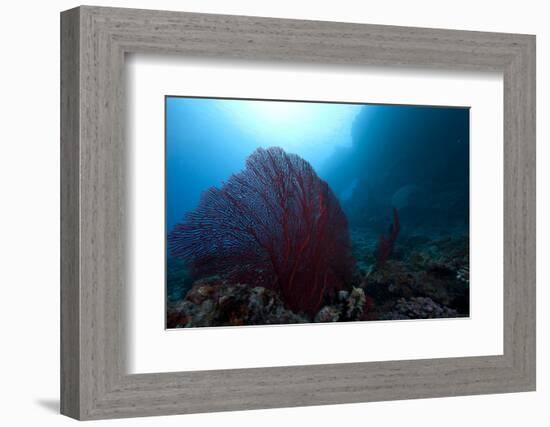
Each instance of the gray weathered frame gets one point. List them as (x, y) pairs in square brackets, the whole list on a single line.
[(94, 41)]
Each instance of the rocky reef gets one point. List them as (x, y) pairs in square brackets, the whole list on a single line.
[(215, 302), (418, 308), (429, 276)]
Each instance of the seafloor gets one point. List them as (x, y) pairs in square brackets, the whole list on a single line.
[(426, 276)]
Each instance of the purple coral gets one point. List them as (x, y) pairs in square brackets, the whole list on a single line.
[(275, 224)]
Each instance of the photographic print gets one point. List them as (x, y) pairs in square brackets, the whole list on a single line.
[(287, 212)]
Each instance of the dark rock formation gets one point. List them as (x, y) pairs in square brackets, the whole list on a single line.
[(214, 302), (414, 158), (418, 308)]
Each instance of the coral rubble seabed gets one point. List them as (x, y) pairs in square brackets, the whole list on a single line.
[(425, 278)]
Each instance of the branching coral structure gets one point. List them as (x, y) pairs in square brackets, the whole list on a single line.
[(275, 224)]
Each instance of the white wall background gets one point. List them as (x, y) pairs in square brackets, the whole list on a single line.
[(29, 215)]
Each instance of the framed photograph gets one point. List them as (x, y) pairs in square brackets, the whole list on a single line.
[(262, 213)]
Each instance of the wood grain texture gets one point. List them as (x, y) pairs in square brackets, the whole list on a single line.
[(70, 315), (94, 381)]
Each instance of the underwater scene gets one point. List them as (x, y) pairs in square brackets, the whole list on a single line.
[(285, 212)]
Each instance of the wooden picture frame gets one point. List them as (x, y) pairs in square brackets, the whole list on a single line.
[(94, 382)]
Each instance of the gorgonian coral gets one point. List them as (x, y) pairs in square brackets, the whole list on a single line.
[(275, 224)]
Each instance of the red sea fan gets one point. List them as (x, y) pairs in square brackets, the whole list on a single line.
[(386, 243), (277, 221)]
